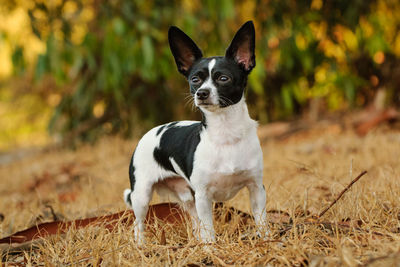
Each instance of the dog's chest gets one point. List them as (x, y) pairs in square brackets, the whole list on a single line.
[(227, 159), (226, 168)]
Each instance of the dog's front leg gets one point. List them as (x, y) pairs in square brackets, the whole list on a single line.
[(204, 212), (258, 200)]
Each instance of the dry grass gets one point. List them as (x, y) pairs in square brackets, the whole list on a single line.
[(302, 175)]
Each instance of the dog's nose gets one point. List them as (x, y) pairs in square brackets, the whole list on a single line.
[(202, 94)]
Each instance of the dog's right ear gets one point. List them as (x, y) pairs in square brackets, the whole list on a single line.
[(183, 48)]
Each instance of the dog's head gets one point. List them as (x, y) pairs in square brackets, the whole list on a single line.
[(215, 82)]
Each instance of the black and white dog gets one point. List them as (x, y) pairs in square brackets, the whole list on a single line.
[(201, 162)]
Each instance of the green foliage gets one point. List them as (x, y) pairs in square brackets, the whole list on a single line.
[(120, 73)]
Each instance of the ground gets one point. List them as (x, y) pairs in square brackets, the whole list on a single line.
[(303, 173)]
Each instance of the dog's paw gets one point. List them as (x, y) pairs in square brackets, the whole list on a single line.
[(264, 233), (207, 236), (260, 234)]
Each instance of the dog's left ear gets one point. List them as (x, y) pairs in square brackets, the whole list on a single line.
[(241, 49)]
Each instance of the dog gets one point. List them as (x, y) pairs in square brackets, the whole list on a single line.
[(199, 162)]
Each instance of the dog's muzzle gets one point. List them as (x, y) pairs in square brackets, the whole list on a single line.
[(204, 98)]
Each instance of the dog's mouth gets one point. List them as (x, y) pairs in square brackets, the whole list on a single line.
[(209, 103), (206, 102)]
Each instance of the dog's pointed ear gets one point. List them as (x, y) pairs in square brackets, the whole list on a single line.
[(241, 49), (184, 50)]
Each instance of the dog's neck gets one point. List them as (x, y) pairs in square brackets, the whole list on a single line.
[(229, 125)]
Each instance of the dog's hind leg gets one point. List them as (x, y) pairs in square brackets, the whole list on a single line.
[(179, 189), (140, 199)]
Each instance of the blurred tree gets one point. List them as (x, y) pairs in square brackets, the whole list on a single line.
[(113, 71)]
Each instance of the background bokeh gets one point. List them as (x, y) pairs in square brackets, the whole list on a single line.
[(80, 69)]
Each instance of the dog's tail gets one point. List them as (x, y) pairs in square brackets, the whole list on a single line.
[(128, 192), (127, 197)]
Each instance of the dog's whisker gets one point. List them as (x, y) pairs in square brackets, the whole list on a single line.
[(188, 96), (190, 101)]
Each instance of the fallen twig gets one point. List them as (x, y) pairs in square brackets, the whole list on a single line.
[(328, 224), (341, 194)]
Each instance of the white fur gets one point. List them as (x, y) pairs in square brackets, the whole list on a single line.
[(228, 158), (214, 99)]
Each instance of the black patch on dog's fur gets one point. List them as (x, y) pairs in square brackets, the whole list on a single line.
[(129, 200), (162, 158), (168, 125), (172, 124), (132, 174), (179, 143), (160, 129)]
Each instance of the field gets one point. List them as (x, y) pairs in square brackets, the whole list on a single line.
[(303, 174)]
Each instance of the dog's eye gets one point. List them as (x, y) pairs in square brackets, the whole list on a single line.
[(195, 80), (224, 79)]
